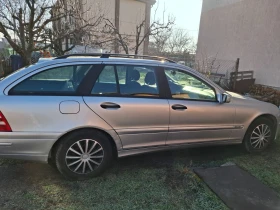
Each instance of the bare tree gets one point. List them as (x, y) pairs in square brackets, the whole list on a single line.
[(208, 65), (179, 41), (142, 32), (174, 42), (28, 20), (159, 42), (96, 39), (75, 26), (111, 30)]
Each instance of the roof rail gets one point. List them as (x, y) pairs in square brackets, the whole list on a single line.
[(108, 55)]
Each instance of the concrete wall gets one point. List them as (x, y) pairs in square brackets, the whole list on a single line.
[(94, 8), (245, 29), (132, 13)]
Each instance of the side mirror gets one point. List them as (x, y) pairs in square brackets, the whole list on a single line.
[(224, 98)]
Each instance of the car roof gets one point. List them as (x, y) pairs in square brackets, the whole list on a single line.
[(110, 57), (113, 55), (116, 60)]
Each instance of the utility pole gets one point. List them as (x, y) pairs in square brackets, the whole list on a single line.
[(236, 73), (117, 23)]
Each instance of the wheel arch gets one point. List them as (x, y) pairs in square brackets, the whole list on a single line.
[(270, 117), (110, 138)]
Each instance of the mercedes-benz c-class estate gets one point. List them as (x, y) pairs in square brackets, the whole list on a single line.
[(79, 112)]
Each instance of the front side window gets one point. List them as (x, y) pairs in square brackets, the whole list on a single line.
[(185, 86), (59, 80), (127, 80)]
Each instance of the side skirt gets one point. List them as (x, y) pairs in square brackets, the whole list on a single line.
[(136, 151)]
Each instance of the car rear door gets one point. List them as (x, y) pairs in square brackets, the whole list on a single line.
[(47, 97), (195, 114), (128, 98), (44, 104)]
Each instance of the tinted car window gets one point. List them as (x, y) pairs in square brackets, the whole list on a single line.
[(185, 86), (140, 81), (64, 79), (106, 82), (127, 80)]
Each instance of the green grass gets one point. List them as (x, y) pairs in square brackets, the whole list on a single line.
[(155, 181)]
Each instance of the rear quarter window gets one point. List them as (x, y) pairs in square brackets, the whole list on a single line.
[(54, 81)]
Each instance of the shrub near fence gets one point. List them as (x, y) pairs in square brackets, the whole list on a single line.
[(217, 70), (264, 93)]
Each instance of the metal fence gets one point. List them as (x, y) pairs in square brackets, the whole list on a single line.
[(5, 66), (8, 65)]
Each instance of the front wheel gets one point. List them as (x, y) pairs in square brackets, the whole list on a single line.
[(83, 155), (259, 135)]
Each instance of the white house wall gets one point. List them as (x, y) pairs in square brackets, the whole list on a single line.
[(132, 13), (245, 29)]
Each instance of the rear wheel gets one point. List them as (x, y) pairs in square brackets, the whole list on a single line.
[(259, 135), (83, 155)]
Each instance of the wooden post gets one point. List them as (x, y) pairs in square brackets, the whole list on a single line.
[(236, 73)]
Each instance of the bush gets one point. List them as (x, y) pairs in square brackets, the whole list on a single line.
[(266, 94)]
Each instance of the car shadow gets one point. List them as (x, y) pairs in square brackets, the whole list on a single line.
[(24, 170), (199, 155)]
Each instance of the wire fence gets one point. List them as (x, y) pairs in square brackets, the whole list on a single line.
[(217, 70)]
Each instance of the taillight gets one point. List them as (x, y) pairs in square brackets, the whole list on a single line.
[(4, 125)]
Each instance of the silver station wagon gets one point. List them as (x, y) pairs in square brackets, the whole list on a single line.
[(80, 112)]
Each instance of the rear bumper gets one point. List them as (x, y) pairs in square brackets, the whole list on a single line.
[(27, 145)]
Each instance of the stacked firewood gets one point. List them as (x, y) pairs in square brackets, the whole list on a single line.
[(264, 93)]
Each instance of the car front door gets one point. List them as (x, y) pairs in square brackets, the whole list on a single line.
[(195, 114), (128, 98)]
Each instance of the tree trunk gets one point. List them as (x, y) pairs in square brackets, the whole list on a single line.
[(26, 58), (136, 50)]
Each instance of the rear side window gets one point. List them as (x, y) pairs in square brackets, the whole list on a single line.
[(106, 82), (127, 80), (55, 81)]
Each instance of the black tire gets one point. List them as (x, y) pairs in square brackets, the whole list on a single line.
[(250, 138), (51, 162), (81, 138)]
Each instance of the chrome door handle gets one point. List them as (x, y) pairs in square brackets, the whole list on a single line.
[(109, 105), (179, 107)]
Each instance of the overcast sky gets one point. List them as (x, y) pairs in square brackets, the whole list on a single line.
[(186, 12)]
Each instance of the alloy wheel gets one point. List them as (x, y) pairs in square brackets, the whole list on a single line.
[(260, 136), (84, 156)]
